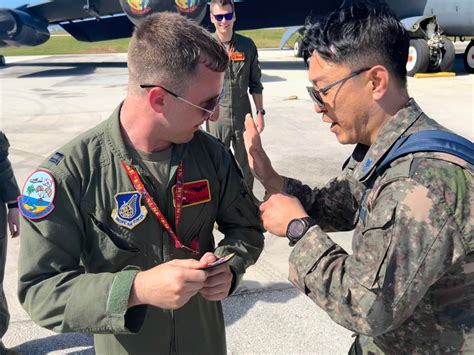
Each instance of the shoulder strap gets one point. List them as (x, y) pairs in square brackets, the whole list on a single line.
[(429, 141)]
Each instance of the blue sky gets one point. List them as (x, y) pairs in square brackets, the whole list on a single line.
[(16, 3)]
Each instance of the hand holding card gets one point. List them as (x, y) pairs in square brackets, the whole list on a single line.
[(219, 261)]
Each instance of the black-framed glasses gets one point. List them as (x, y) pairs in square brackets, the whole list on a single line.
[(208, 111), (316, 94), (228, 16)]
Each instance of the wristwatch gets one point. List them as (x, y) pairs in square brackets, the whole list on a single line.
[(262, 111), (297, 229)]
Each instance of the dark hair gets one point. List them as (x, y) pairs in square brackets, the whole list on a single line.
[(222, 3), (361, 34), (167, 48)]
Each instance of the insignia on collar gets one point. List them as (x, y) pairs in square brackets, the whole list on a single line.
[(128, 212), (37, 197)]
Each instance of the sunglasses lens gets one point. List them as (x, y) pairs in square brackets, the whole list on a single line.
[(228, 16), (315, 96)]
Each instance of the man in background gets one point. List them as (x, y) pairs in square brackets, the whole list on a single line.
[(243, 76)]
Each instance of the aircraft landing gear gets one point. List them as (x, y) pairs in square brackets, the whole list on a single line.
[(418, 57), (436, 54), (469, 57), (2, 61), (297, 48)]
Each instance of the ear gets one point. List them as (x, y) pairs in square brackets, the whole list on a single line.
[(379, 77), (156, 99)]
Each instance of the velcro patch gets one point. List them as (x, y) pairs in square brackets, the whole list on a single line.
[(237, 56), (56, 158), (37, 197), (195, 192)]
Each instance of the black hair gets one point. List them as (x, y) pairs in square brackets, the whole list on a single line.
[(360, 34)]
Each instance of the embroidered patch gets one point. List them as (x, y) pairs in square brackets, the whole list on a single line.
[(56, 158), (237, 56), (37, 197), (129, 212), (195, 192)]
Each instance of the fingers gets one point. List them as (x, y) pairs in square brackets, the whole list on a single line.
[(208, 258), (188, 263)]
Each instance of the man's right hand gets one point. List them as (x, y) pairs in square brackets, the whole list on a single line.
[(169, 285), (259, 163)]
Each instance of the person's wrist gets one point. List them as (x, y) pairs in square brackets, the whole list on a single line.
[(135, 298), (13, 204), (261, 112)]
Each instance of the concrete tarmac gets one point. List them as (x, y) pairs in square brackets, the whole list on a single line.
[(45, 101)]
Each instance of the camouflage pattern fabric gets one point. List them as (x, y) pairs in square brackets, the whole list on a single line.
[(408, 287)]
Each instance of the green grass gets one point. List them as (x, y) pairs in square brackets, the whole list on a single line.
[(68, 45)]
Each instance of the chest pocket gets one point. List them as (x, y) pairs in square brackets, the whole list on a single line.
[(108, 250)]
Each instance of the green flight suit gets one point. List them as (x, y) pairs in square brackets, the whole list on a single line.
[(8, 192), (408, 287), (243, 76), (78, 265)]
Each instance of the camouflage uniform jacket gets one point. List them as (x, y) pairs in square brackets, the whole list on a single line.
[(8, 187), (408, 287), (78, 263)]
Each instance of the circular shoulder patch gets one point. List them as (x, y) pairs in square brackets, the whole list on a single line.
[(37, 197)]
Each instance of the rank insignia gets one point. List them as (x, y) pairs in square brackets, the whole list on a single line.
[(37, 197), (195, 193), (128, 212)]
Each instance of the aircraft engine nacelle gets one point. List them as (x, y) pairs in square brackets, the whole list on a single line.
[(137, 10), (17, 28)]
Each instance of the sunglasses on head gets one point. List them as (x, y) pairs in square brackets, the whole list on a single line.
[(227, 16)]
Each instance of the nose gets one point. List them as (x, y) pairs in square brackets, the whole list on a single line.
[(318, 108), (215, 116)]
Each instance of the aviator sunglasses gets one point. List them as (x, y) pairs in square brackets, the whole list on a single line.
[(208, 111), (316, 94), (227, 16)]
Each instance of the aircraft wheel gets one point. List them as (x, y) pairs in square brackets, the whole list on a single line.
[(469, 57), (297, 49), (418, 57), (448, 55), (2, 61)]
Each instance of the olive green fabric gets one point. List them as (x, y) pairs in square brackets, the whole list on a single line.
[(78, 264), (241, 77), (8, 192)]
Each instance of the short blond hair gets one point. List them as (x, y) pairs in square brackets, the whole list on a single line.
[(166, 48)]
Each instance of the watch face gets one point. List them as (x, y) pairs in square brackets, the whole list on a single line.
[(296, 228)]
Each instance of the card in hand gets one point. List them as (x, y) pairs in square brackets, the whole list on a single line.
[(219, 261)]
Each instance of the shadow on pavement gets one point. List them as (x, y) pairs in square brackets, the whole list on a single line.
[(60, 343), (237, 306)]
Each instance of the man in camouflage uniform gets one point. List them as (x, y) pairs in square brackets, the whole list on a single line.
[(8, 194), (243, 75), (408, 286), (117, 234)]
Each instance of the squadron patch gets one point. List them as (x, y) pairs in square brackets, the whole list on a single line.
[(237, 56), (195, 192), (37, 197), (129, 212)]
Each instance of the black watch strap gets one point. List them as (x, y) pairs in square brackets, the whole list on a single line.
[(297, 228), (262, 111)]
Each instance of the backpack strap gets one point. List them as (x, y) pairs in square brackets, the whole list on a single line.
[(429, 141)]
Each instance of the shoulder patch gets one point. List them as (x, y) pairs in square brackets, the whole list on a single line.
[(37, 197), (56, 158)]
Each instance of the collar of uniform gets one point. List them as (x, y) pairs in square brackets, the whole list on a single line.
[(395, 128), (117, 145)]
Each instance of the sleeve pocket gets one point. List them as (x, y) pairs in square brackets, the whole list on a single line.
[(373, 246)]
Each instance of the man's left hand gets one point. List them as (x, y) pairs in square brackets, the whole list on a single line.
[(260, 123), (14, 222), (219, 280), (278, 211)]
